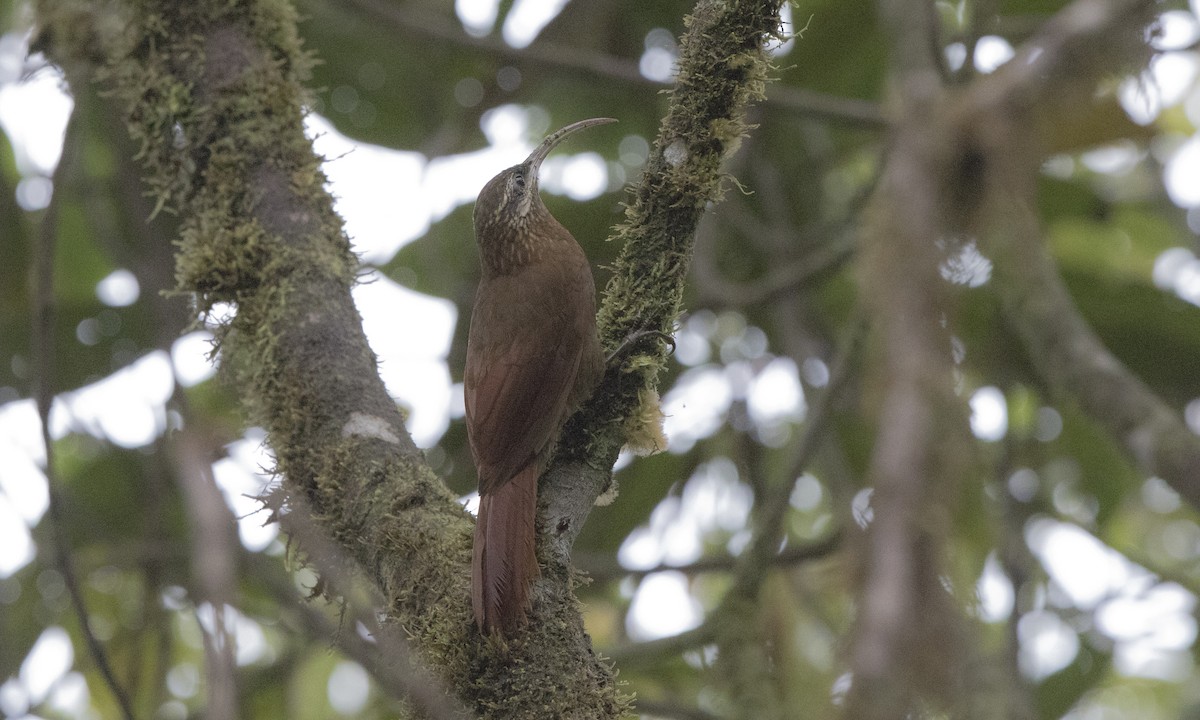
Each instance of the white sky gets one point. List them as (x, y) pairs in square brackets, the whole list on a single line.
[(411, 334)]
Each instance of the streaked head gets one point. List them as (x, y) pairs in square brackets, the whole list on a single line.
[(511, 196)]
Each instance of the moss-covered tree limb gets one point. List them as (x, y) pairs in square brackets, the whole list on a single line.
[(723, 66), (543, 57)]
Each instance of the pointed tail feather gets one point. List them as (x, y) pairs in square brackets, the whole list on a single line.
[(504, 561)]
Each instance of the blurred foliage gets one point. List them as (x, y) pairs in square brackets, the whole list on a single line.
[(774, 278)]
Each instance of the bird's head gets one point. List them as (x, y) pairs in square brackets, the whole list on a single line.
[(510, 201)]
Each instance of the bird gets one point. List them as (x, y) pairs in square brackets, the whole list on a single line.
[(533, 357)]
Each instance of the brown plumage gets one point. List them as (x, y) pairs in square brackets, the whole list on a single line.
[(532, 358)]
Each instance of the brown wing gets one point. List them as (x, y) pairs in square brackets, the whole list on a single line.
[(523, 355)]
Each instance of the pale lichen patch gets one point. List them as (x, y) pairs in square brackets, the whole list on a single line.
[(676, 153), (371, 426)]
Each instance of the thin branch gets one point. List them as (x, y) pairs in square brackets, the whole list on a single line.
[(1018, 563), (396, 666), (376, 655), (652, 651), (603, 568), (1069, 357), (764, 548), (408, 22), (1084, 42), (661, 708), (43, 355), (306, 618), (763, 552), (593, 64), (848, 111), (213, 549), (779, 280)]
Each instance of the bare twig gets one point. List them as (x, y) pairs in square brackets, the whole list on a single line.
[(603, 568), (43, 354), (763, 550), (396, 667), (652, 651), (214, 545), (664, 709), (595, 64)]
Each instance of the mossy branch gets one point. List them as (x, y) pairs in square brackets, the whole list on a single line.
[(723, 67), (213, 94)]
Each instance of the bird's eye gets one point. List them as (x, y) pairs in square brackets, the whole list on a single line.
[(519, 180)]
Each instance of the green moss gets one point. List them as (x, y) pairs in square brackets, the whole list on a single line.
[(214, 99), (722, 68)]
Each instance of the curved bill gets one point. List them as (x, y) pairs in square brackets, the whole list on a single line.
[(541, 151)]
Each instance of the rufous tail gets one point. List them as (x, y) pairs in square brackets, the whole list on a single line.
[(505, 562)]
